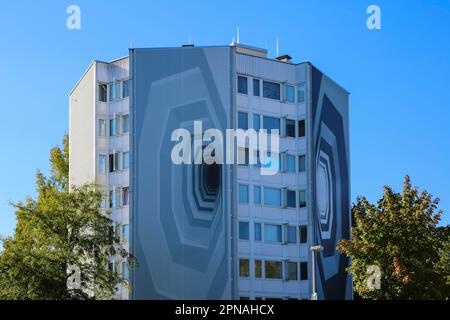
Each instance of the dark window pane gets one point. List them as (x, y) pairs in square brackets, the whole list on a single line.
[(302, 163), (256, 122), (290, 198), (242, 84), (243, 193), (256, 87), (289, 93), (257, 194), (301, 93), (292, 270), (102, 92), (302, 198), (291, 234), (303, 271), (272, 196), (258, 269), (243, 231), (273, 269), (303, 234), (271, 90), (111, 163), (271, 123), (125, 89), (290, 128), (244, 268), (257, 231), (290, 163), (272, 233), (301, 128), (242, 120)]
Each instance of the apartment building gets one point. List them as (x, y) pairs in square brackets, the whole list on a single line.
[(221, 231)]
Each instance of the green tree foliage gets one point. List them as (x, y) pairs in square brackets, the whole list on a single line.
[(401, 236), (60, 238)]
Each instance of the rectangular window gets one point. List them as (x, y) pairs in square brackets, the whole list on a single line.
[(271, 123), (290, 163), (290, 128), (291, 234), (112, 127), (292, 270), (125, 123), (243, 193), (125, 233), (290, 199), (126, 160), (256, 88), (301, 128), (271, 90), (244, 268), (258, 269), (242, 120), (102, 92), (243, 156), (243, 230), (257, 194), (272, 233), (101, 127), (303, 270), (114, 198), (125, 196), (272, 197), (114, 162), (301, 93), (102, 163), (125, 92), (125, 272), (302, 163), (114, 90), (302, 198), (242, 85), (289, 93), (256, 122), (303, 233), (257, 227), (273, 269)]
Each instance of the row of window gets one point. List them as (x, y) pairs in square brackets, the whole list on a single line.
[(286, 127), (284, 162), (120, 124), (117, 90), (272, 90), (117, 161), (119, 197), (274, 233), (270, 269), (278, 197)]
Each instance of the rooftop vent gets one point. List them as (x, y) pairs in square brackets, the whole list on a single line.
[(187, 45), (285, 58), (253, 51)]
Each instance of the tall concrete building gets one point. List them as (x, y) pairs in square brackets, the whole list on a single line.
[(220, 231)]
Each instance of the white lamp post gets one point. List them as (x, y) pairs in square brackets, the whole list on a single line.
[(314, 249)]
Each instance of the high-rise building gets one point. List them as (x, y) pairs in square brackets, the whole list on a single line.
[(217, 231)]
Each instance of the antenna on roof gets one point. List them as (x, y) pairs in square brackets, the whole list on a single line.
[(237, 36), (232, 42), (277, 47), (130, 45)]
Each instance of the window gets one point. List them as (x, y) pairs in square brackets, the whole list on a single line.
[(256, 88), (125, 123), (256, 122), (303, 270), (242, 120), (101, 128), (302, 198), (257, 231), (303, 230), (111, 266), (125, 272), (244, 268), (271, 123), (272, 233), (271, 90), (102, 163), (243, 193), (114, 162), (258, 269), (257, 194), (290, 198), (290, 163), (243, 230), (114, 198), (114, 89), (243, 156), (126, 233), (290, 128), (126, 160), (289, 93), (125, 92), (273, 269), (302, 163), (272, 197), (301, 128), (291, 270), (301, 93), (291, 234), (242, 85), (102, 92), (125, 196), (112, 127)]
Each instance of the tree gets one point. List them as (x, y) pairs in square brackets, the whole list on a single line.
[(62, 241), (400, 236)]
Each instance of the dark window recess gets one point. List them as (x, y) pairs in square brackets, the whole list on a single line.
[(242, 120), (303, 234), (212, 174), (301, 128), (271, 90), (102, 92), (111, 163), (303, 271), (290, 128), (242, 85), (256, 92), (290, 198)]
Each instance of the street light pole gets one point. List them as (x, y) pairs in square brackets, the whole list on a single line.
[(314, 249)]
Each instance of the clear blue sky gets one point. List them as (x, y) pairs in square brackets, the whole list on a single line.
[(399, 77)]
